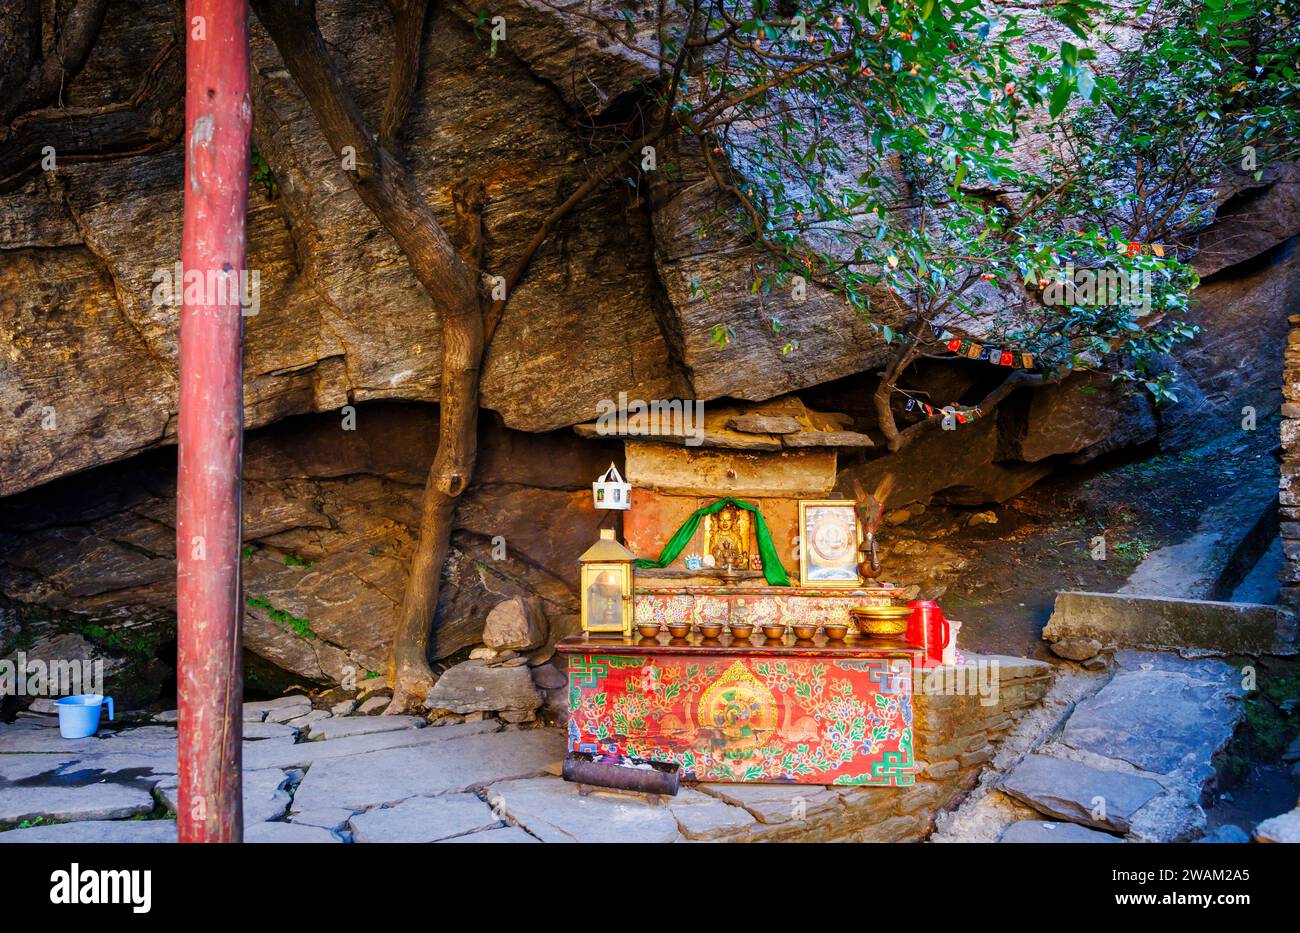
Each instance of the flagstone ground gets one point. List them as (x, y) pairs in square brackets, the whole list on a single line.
[(375, 779)]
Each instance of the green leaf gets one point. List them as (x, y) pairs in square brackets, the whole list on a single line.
[(1060, 97), (1086, 83)]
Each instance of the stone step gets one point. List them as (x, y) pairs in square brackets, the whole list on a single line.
[(1140, 754), (1230, 538), (1130, 620), (1079, 793), (1037, 831)]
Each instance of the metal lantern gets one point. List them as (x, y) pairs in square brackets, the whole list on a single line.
[(612, 493), (607, 586)]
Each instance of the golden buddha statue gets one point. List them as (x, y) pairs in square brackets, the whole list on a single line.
[(726, 538)]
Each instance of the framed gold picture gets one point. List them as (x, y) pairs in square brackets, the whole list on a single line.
[(828, 543)]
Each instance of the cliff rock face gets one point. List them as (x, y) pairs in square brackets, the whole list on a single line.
[(625, 297), (328, 521)]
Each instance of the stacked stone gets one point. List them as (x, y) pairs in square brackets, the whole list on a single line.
[(1289, 489), (956, 733)]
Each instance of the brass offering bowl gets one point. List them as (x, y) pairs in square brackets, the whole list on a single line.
[(774, 630), (741, 630), (881, 621), (804, 630), (836, 631), (648, 629), (710, 629), (679, 629)]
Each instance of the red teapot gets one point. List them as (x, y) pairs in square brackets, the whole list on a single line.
[(929, 629)]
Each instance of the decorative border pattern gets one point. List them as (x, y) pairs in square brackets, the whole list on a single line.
[(749, 719)]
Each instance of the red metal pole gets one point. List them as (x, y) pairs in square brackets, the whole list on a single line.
[(218, 120)]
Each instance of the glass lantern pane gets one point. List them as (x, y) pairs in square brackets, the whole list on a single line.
[(605, 600)]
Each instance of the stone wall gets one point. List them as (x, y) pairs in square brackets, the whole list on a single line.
[(1289, 490)]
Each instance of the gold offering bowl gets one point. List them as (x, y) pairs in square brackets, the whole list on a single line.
[(804, 631), (881, 621)]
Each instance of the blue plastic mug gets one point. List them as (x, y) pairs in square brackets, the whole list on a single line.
[(79, 714)]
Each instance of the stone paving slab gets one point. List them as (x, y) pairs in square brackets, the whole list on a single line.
[(281, 709), (701, 816), (1070, 790), (1208, 669), (29, 764), (1161, 721), (270, 732), (305, 753), (1038, 832), (554, 810), (305, 721), (775, 803), (507, 834), (264, 795), (72, 801), (424, 819), (332, 818), (27, 735), (435, 767), (287, 833), (96, 831), (343, 726)]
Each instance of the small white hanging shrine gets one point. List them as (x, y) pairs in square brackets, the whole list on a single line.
[(612, 493)]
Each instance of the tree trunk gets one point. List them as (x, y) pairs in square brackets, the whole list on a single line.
[(389, 191), (449, 276)]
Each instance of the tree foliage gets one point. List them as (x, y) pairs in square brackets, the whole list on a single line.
[(946, 165)]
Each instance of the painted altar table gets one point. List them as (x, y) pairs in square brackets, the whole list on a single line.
[(761, 711)]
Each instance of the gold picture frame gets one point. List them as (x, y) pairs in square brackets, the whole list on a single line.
[(829, 538)]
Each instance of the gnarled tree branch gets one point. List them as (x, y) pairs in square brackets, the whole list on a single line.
[(75, 38), (152, 119), (404, 74), (390, 192)]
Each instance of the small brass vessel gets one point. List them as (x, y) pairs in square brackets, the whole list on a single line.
[(836, 631), (679, 629), (881, 621), (804, 630), (648, 629), (774, 630), (741, 630), (710, 629)]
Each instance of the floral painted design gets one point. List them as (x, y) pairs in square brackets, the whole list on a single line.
[(778, 720)]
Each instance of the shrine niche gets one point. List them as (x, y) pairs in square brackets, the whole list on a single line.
[(761, 654)]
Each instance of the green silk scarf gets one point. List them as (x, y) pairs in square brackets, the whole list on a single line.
[(772, 569)]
